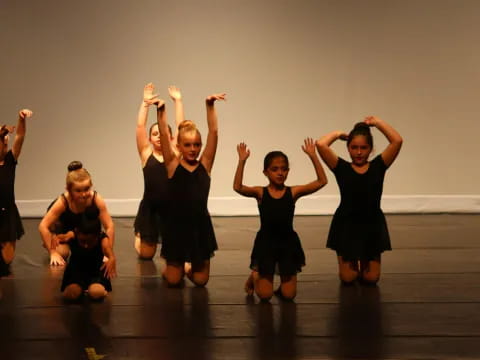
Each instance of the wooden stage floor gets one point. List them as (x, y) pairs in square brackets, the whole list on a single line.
[(426, 306)]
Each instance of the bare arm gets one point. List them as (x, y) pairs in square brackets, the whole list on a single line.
[(323, 147), (20, 133), (176, 96), (105, 219), (143, 145), (49, 241), (110, 266), (395, 140), (171, 160), (210, 150), (301, 190), (243, 154)]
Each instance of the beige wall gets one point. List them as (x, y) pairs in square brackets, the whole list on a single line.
[(291, 69)]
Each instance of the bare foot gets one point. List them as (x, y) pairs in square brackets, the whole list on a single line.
[(249, 286)]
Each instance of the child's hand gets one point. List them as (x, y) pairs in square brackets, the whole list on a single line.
[(25, 113), (371, 120), (174, 93), (56, 259), (148, 95), (309, 147), (243, 152), (343, 136), (214, 97), (109, 267), (64, 238)]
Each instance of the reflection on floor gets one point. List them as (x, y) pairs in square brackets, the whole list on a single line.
[(427, 305)]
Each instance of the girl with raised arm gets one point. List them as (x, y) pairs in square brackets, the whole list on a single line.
[(150, 220), (277, 247), (358, 232), (11, 228), (67, 211), (190, 238)]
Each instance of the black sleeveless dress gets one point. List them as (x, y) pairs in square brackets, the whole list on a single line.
[(84, 265), (359, 230), (189, 236), (150, 219), (11, 227), (277, 247)]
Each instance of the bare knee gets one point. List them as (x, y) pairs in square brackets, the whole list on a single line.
[(145, 250), (8, 252), (348, 276), (200, 279), (173, 275), (72, 292), (264, 294), (371, 277), (288, 294), (97, 291)]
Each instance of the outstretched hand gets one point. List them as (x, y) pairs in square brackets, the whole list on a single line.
[(243, 151), (308, 147), (174, 93), (56, 259), (148, 95), (25, 113), (214, 97), (109, 268), (371, 120)]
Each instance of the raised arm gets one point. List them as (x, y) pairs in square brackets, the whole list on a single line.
[(171, 160), (301, 190), (110, 266), (210, 150), (243, 154), (176, 96), (395, 140), (21, 131), (105, 219), (49, 240), (323, 147), (143, 145)]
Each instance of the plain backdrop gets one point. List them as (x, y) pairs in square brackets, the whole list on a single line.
[(291, 69)]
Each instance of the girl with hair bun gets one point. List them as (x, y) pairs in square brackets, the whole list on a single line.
[(11, 228), (190, 241), (67, 211), (277, 247), (358, 232), (149, 223)]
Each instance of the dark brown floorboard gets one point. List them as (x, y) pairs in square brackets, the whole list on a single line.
[(427, 305)]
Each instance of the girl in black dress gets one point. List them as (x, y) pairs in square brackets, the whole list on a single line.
[(189, 241), (86, 270), (277, 248), (150, 220), (66, 212), (358, 232), (11, 228)]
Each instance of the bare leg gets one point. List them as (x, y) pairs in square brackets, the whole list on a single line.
[(249, 285), (371, 270), (288, 286), (8, 251), (347, 270), (72, 292), (263, 285), (199, 273), (97, 291), (173, 274), (144, 250)]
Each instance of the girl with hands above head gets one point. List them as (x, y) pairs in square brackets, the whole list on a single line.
[(150, 220), (11, 227), (358, 232), (190, 241), (66, 212), (86, 271), (277, 247)]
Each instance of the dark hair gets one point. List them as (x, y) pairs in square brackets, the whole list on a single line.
[(151, 129), (361, 129), (3, 132), (74, 165), (267, 161), (76, 172), (89, 225)]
